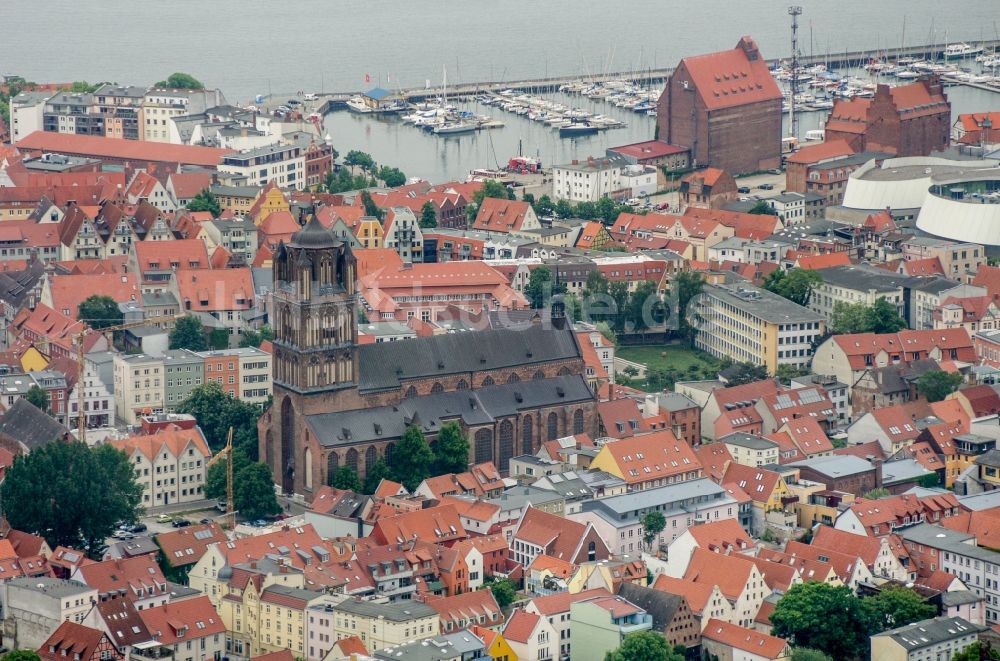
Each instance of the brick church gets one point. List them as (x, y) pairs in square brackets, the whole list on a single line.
[(337, 403)]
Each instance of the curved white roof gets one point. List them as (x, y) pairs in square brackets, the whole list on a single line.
[(902, 183)]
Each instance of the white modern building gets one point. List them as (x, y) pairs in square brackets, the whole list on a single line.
[(35, 606), (594, 178), (283, 164), (26, 110)]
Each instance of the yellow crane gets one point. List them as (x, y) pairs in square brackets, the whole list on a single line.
[(227, 452), (81, 363)]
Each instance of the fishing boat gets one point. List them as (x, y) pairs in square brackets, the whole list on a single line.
[(960, 51), (577, 129)]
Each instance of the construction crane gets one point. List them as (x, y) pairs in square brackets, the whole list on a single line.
[(227, 452), (81, 363)]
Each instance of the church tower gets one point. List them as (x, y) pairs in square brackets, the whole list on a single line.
[(315, 336)]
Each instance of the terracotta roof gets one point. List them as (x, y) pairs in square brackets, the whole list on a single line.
[(713, 458), (496, 215), (696, 594), (116, 148), (25, 543), (985, 525), (121, 618), (139, 576), (555, 566), (435, 525), (559, 602), (808, 436), (808, 569), (732, 78), (179, 254), (756, 643), (926, 266), (858, 345), (823, 151), (723, 536), (73, 641), (68, 291), (348, 646), (843, 564), (984, 400), (189, 619), (864, 450), (653, 456), (730, 572), (187, 185), (467, 607), (848, 116), (207, 290), (707, 176), (186, 546), (173, 440), (758, 483), (520, 626), (824, 261), (859, 546)]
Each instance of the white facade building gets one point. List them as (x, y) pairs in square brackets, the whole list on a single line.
[(590, 180)]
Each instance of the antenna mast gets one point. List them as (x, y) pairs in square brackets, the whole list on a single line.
[(794, 11)]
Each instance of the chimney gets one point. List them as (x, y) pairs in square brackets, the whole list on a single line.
[(877, 463)]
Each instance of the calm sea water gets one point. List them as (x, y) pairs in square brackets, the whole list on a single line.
[(251, 47)]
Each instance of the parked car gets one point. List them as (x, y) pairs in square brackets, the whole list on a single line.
[(766, 187), (259, 523), (743, 189), (205, 521), (164, 518), (137, 527), (294, 102), (123, 534), (180, 523)]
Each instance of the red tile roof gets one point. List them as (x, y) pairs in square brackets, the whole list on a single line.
[(496, 215), (558, 537), (436, 525), (730, 572), (823, 151), (74, 641), (654, 456), (557, 603), (467, 607), (926, 266), (68, 291), (186, 546), (858, 345), (756, 643), (207, 290), (653, 149), (520, 626), (696, 594), (723, 536), (758, 483), (179, 254), (116, 148), (714, 457), (732, 78), (844, 564), (824, 261), (189, 619), (188, 184), (139, 576)]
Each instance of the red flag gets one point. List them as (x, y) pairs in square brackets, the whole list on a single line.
[(368, 78)]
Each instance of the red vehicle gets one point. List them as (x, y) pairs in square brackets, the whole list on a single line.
[(524, 165)]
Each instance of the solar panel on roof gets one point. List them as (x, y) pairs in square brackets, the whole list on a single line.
[(203, 534)]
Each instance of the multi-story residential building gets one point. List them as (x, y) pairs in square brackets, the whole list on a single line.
[(937, 638), (750, 450), (239, 237), (190, 630), (754, 325), (618, 519), (797, 208), (98, 392), (138, 579), (401, 232), (533, 636), (858, 284), (37, 605), (590, 180), (599, 625), (283, 164), (648, 461), (68, 112), (27, 114), (183, 371), (960, 260), (121, 108), (79, 642), (170, 465), (138, 386), (161, 106), (384, 625)]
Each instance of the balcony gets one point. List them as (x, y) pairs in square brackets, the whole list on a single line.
[(151, 651)]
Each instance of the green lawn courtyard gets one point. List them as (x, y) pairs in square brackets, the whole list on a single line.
[(675, 362)]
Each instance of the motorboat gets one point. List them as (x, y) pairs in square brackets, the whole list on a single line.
[(960, 51), (576, 129), (357, 104)]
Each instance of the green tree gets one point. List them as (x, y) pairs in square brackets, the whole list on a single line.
[(375, 474), (684, 287), (99, 312), (883, 317), (606, 210), (785, 372), (451, 450), (503, 591), (808, 654), (896, 607), (22, 655), (188, 333), (412, 458), (645, 307), (595, 284), (742, 373), (205, 200), (428, 217), (930, 481), (254, 339), (360, 159), (540, 287), (976, 651), (849, 318), (392, 177), (371, 209), (346, 478), (937, 384), (586, 210), (70, 494), (653, 524), (83, 87), (38, 397), (762, 208), (563, 209), (218, 339), (181, 81), (823, 617), (876, 493), (492, 188), (644, 646), (215, 478), (618, 291), (795, 285), (253, 492), (216, 411), (543, 206), (604, 329)]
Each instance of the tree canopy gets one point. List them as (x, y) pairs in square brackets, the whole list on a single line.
[(809, 654), (684, 287), (451, 450), (216, 411), (653, 524), (360, 159), (895, 607), (541, 287), (795, 285), (345, 478), (22, 655), (205, 200), (99, 312), (371, 209), (936, 384), (412, 458), (644, 646), (976, 651), (253, 491), (880, 317), (188, 333), (739, 374), (492, 188), (391, 177), (375, 474), (181, 81), (761, 208), (38, 397), (428, 217), (70, 494), (254, 339), (503, 590)]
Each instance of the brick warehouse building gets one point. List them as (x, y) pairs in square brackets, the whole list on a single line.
[(908, 120), (726, 108), (336, 403)]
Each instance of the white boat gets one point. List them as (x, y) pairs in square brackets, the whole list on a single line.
[(991, 62), (357, 104), (907, 74), (961, 51), (454, 128)]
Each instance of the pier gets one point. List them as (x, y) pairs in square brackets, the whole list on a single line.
[(648, 77)]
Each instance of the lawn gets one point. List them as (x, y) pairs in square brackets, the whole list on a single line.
[(685, 363)]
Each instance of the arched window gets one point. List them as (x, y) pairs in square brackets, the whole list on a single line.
[(563, 371), (307, 463), (411, 392), (578, 421), (332, 464), (484, 445), (527, 431), (352, 459), (388, 453), (591, 552), (513, 378), (371, 456), (538, 375), (462, 385), (553, 426), (488, 381), (506, 444), (436, 388)]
